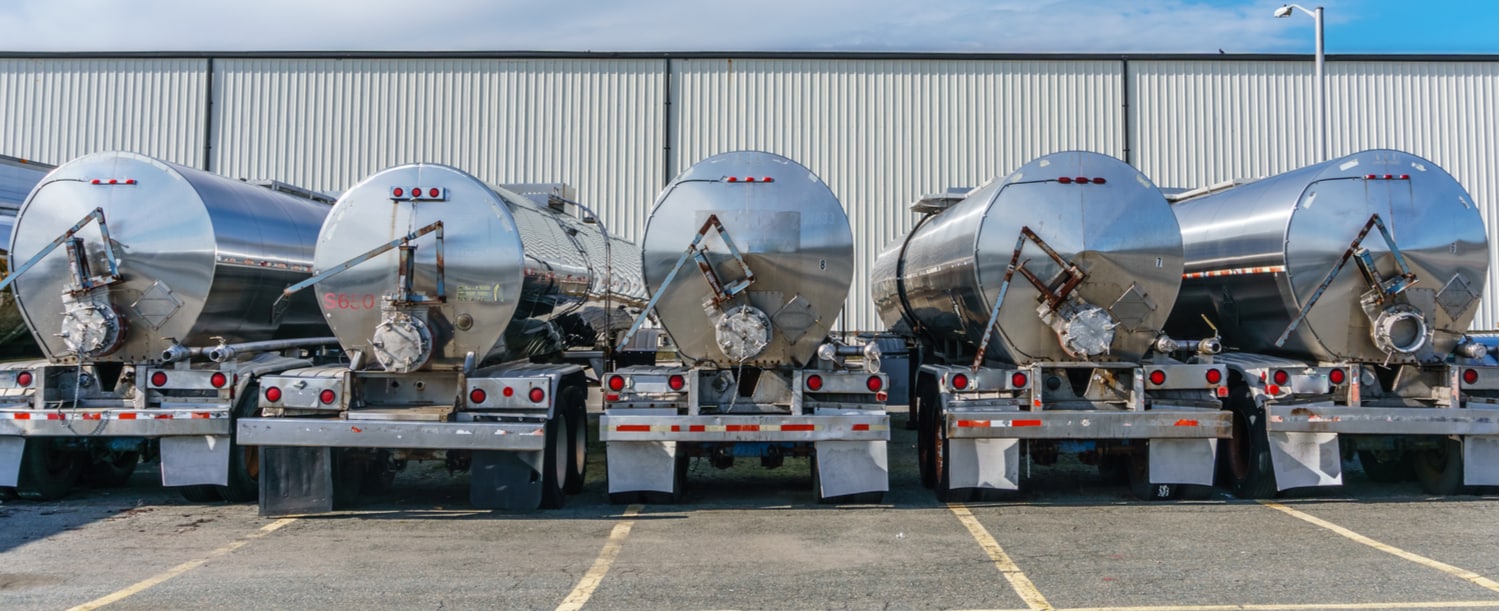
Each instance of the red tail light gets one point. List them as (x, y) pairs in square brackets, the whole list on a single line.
[(24, 379), (218, 380), (1157, 377), (273, 394), (477, 396), (814, 382), (537, 395), (1471, 376), (1337, 376), (960, 381), (615, 383), (676, 382), (1213, 376), (1280, 377), (327, 396), (1018, 380), (158, 378), (874, 383), (507, 392)]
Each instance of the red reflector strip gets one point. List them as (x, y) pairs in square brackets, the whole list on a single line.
[(967, 423), (21, 416), (641, 428), (696, 428), (127, 416), (861, 427), (202, 415), (807, 427), (163, 416), (741, 428), (1235, 272), (1026, 423), (92, 416), (1186, 423)]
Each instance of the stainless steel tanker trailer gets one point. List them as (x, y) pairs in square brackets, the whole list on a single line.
[(453, 298), (1035, 305), (17, 177), (135, 276), (1345, 290), (748, 257)]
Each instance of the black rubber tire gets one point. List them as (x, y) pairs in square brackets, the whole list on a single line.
[(1249, 474), (200, 494), (554, 461), (348, 477), (244, 461), (1386, 466), (111, 471), (1440, 470), (572, 400), (1139, 475), (925, 398), (379, 476), (7, 493), (48, 471)]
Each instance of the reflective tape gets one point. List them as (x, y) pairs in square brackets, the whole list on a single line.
[(1235, 272), (109, 416)]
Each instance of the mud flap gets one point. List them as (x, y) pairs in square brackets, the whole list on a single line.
[(641, 466), (12, 448), (505, 480), (991, 463), (1182, 460), (847, 468), (1304, 459), (1481, 461), (194, 460), (295, 480)]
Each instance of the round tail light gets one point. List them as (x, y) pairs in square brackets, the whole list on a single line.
[(1471, 376), (507, 392), (1214, 376), (218, 380), (398, 192), (477, 396), (1157, 377), (1280, 377), (1337, 376), (615, 383), (676, 382), (960, 381), (158, 378), (24, 379), (273, 394), (537, 395), (874, 383), (814, 382), (433, 192), (327, 396), (1019, 380)]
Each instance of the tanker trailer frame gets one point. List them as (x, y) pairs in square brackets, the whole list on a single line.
[(1346, 301), (749, 256), (119, 385), (1033, 305), (462, 371)]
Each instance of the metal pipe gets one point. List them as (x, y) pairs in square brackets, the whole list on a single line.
[(178, 352), (220, 354)]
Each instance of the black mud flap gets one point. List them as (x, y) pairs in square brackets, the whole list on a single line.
[(505, 480), (295, 480)]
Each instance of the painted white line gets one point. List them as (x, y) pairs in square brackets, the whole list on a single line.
[(591, 579), (1387, 548), (1385, 605), (1008, 568), (183, 568)]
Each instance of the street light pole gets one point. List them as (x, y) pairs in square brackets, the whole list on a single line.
[(1322, 111)]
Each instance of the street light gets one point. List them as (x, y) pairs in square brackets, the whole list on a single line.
[(1317, 15)]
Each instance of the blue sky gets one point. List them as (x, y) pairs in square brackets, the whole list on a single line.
[(999, 26)]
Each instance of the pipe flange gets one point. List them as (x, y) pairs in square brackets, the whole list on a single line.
[(1090, 331), (1400, 329), (743, 333), (401, 343), (90, 329)]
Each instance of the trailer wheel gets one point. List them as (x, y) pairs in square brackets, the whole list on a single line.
[(1248, 451), (379, 475), (348, 476), (1440, 470), (572, 400), (1386, 466), (1114, 469), (926, 401), (200, 494), (244, 461), (112, 470), (1139, 474), (555, 460), (48, 471)]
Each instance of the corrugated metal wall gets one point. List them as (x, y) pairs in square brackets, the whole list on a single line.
[(880, 131), (53, 110), (1200, 122)]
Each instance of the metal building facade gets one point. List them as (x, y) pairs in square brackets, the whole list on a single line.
[(880, 129)]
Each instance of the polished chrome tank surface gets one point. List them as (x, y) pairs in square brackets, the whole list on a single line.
[(199, 256), (794, 238), (519, 277), (1257, 254), (1097, 213)]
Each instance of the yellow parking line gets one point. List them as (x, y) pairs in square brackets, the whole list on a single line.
[(1413, 557), (591, 579), (181, 569), (1008, 568), (1391, 605)]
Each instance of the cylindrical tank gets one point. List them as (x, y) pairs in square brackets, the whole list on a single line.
[(17, 177), (794, 238), (1097, 213), (199, 256), (1257, 253), (521, 277)]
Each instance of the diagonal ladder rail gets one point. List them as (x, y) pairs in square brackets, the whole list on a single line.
[(405, 271), (1054, 291), (699, 254), (80, 265), (1384, 288)]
